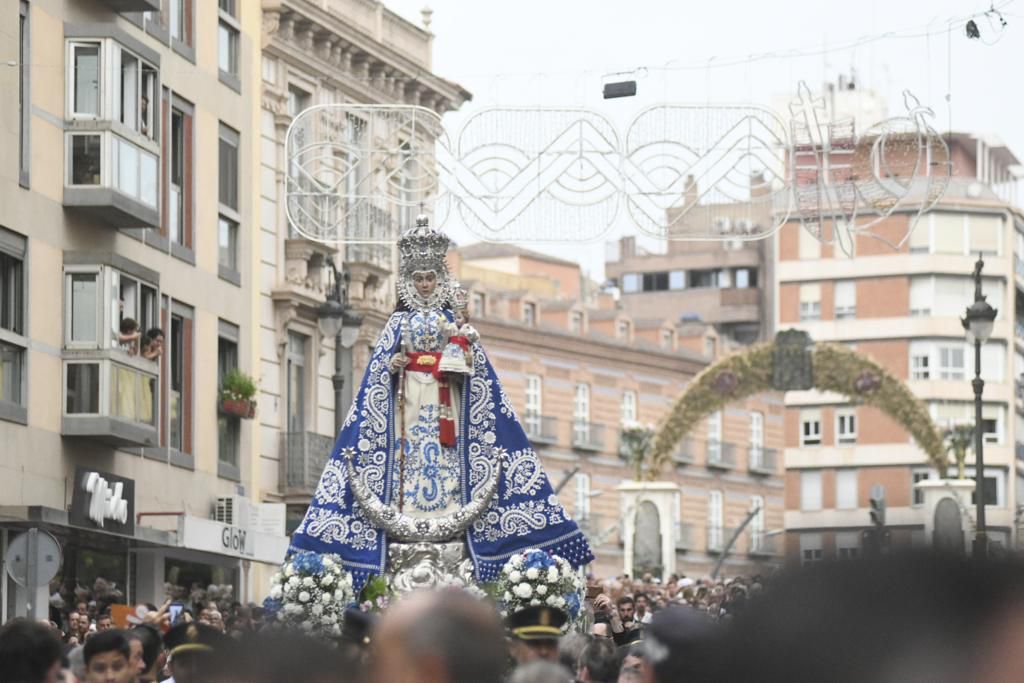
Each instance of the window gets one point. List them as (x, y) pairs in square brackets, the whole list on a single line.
[(846, 489), (581, 508), (714, 436), (918, 476), (810, 490), (581, 414), (24, 96), (177, 14), (810, 302), (296, 404), (921, 296), (227, 243), (985, 234), (576, 322), (85, 79), (298, 100), (83, 312), (627, 409), (810, 427), (228, 167), (269, 69), (655, 282), (178, 176), (810, 549), (228, 426), (994, 486), (948, 232), (846, 426), (677, 279), (746, 278), (756, 439), (809, 246), (757, 535), (715, 530), (847, 545), (179, 367), (478, 305), (846, 299), (530, 314), (632, 282), (703, 278), (947, 296), (13, 344), (534, 404), (951, 362), (920, 363), (622, 330), (86, 160), (227, 41)]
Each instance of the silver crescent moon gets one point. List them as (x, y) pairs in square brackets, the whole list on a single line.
[(403, 527)]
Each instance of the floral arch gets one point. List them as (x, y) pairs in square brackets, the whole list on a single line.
[(792, 363)]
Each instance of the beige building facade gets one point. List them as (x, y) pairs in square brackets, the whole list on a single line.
[(902, 307), (130, 198)]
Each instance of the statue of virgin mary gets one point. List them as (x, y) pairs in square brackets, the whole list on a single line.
[(432, 462)]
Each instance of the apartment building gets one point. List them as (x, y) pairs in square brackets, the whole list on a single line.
[(902, 307), (129, 197), (577, 369)]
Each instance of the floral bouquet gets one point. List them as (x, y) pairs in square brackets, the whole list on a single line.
[(310, 593), (535, 577)]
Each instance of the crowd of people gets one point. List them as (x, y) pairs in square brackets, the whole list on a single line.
[(915, 617)]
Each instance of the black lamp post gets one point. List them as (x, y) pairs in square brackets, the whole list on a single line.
[(979, 321), (337, 320)]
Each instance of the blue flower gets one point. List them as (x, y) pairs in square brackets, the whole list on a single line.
[(272, 606), (308, 563), (572, 604)]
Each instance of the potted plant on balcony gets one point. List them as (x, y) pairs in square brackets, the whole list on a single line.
[(237, 390), (635, 441)]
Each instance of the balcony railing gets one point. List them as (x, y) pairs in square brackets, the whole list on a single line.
[(685, 537), (761, 544), (721, 455), (112, 178), (587, 436), (716, 538), (302, 457), (685, 453), (762, 460), (541, 428), (111, 397)]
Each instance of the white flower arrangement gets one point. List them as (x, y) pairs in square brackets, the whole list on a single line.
[(535, 577), (310, 594)]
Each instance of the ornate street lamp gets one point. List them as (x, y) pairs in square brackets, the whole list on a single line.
[(336, 319), (978, 322)]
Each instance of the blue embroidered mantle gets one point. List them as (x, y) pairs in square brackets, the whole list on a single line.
[(523, 513)]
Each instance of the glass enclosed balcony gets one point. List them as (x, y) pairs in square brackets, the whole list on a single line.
[(111, 397), (112, 178)]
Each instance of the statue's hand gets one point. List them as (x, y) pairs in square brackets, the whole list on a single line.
[(470, 333), (397, 362)]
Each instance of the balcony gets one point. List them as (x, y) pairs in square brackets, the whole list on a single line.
[(760, 544), (1018, 450), (111, 397), (541, 429), (685, 453), (587, 436), (685, 537), (302, 459), (1018, 329), (763, 460), (134, 5), (716, 538), (720, 455), (112, 178)]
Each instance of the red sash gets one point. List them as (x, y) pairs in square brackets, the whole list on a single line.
[(429, 363)]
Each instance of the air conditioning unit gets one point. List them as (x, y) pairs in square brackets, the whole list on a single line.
[(723, 226), (233, 511)]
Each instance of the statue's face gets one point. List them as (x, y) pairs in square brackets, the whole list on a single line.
[(425, 282)]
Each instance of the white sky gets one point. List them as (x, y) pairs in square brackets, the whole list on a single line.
[(555, 52)]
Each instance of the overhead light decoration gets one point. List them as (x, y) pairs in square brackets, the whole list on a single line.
[(972, 30), (621, 84)]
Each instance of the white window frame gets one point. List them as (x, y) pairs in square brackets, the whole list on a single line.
[(846, 499), (848, 546), (997, 473), (581, 412), (846, 426), (919, 474), (846, 311), (101, 323), (530, 313), (69, 95), (810, 309), (632, 283), (234, 29), (757, 530), (581, 506), (812, 550), (628, 407), (714, 435), (756, 438), (716, 531), (534, 403), (810, 490), (810, 417), (949, 371)]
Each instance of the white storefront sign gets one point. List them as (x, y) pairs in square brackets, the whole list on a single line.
[(105, 501), (197, 533)]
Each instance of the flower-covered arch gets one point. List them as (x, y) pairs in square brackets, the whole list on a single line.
[(792, 363)]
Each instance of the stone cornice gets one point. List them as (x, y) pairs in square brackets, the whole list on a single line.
[(300, 31)]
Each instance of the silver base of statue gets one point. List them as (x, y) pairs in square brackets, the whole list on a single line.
[(417, 566)]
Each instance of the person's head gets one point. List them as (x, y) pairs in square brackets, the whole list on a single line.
[(191, 647), (633, 662), (154, 337), (425, 282), (599, 662), (145, 649), (29, 652), (626, 607), (82, 608), (444, 636), (601, 629), (570, 647), (104, 622), (681, 644), (107, 656), (204, 617), (461, 316), (216, 619), (129, 326), (541, 671), (642, 603)]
